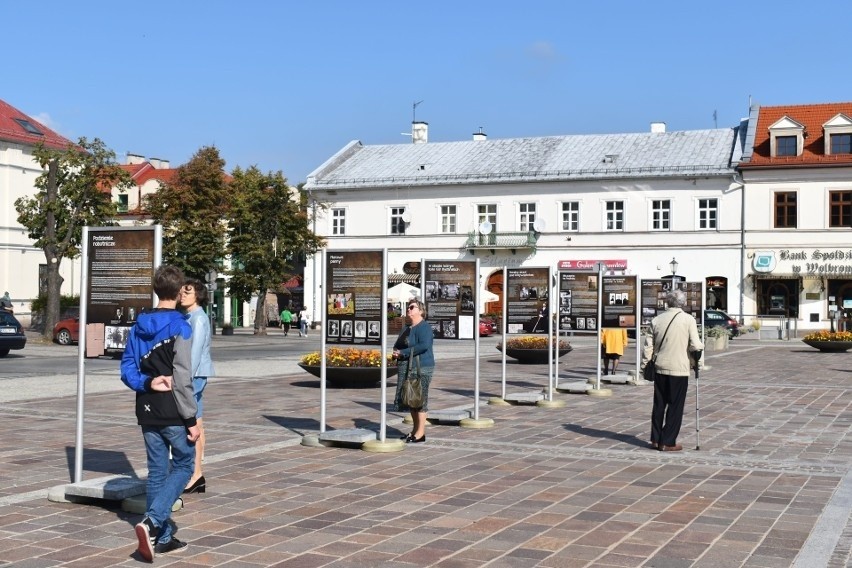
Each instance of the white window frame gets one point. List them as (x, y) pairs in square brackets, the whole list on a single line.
[(699, 210), (613, 216), (571, 216), (786, 126), (838, 124), (490, 216), (526, 216), (448, 217), (396, 224), (661, 215), (338, 222)]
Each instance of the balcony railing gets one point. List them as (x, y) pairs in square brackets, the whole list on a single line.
[(502, 241)]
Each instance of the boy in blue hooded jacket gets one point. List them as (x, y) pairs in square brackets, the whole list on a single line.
[(156, 364)]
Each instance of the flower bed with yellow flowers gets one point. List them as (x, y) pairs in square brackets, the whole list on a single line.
[(825, 335), (533, 342), (348, 357)]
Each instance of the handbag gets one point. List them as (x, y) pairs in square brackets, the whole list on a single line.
[(649, 373), (412, 391)]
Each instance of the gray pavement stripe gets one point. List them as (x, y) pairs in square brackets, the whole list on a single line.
[(825, 534)]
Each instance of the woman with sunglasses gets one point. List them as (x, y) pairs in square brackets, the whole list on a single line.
[(193, 298), (415, 341)]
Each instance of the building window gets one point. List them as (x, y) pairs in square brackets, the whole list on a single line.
[(122, 203), (487, 213), (527, 216), (571, 216), (708, 213), (785, 210), (338, 221), (614, 216), (661, 212), (448, 218), (786, 146), (397, 223), (841, 143), (840, 209)]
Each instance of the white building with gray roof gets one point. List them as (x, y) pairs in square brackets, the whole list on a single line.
[(644, 198)]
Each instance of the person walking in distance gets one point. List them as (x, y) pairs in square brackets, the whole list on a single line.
[(194, 299), (613, 341), (157, 365), (286, 320), (672, 336)]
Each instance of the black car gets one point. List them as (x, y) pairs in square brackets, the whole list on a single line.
[(11, 333), (718, 318)]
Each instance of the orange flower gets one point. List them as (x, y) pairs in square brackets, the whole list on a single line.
[(533, 342), (825, 335), (348, 357)]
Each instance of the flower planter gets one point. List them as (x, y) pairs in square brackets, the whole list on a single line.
[(351, 377), (227, 331), (716, 343), (829, 346), (533, 356)]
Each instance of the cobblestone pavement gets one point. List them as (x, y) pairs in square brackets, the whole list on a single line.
[(555, 487)]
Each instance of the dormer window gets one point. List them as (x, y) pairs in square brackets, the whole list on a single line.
[(838, 135), (786, 138)]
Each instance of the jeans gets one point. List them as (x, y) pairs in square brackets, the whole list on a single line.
[(166, 479), (303, 328)]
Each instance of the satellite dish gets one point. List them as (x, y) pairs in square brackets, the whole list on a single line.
[(406, 216), (485, 228), (539, 225)]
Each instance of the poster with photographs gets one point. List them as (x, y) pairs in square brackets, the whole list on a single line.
[(619, 302), (653, 298), (353, 299), (451, 302), (527, 299), (578, 301)]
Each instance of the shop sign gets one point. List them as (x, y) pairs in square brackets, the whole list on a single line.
[(619, 264), (803, 261)]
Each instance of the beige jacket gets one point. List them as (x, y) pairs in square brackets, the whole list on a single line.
[(673, 353)]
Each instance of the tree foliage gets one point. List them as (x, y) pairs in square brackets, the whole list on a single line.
[(269, 234), (74, 191), (193, 209)]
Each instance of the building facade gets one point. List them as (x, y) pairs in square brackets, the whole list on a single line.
[(797, 179), (638, 200)]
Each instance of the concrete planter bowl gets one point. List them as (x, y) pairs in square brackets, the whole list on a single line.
[(533, 356), (351, 377), (829, 346)]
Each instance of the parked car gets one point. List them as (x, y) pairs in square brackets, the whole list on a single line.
[(491, 323), (485, 327), (11, 333), (67, 330), (718, 318)]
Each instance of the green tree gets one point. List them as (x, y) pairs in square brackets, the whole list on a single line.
[(193, 209), (269, 235), (74, 191)]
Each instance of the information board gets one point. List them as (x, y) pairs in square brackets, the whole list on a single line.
[(620, 301), (450, 294), (120, 264), (653, 298), (527, 292), (578, 301), (353, 298)]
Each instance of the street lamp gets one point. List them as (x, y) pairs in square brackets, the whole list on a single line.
[(673, 266)]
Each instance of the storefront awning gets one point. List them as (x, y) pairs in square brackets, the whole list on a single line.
[(396, 278)]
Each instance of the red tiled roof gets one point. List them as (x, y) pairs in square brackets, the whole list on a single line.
[(145, 172), (812, 117), (11, 131)]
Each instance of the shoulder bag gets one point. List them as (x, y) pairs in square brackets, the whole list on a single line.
[(412, 391), (649, 373)]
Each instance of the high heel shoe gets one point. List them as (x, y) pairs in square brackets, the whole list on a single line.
[(413, 440), (200, 486)]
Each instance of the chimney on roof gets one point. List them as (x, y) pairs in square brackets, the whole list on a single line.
[(159, 164), (419, 132), (133, 159), (658, 127), (480, 135)]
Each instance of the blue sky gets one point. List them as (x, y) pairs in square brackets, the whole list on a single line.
[(285, 84)]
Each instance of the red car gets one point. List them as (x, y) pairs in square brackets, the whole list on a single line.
[(67, 331), (486, 327)]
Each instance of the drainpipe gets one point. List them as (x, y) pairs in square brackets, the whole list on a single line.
[(741, 183)]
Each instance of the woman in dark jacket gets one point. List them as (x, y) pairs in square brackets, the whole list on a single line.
[(415, 341)]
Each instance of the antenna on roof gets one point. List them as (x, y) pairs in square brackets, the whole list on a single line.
[(414, 111), (715, 117)]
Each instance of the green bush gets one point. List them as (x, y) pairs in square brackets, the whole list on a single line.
[(65, 302)]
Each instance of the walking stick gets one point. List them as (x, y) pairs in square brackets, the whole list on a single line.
[(696, 357)]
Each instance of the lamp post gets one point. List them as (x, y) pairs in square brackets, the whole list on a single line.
[(673, 265)]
